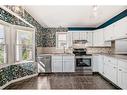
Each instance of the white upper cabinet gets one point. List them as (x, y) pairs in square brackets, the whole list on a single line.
[(98, 38), (69, 39), (82, 35), (89, 37), (121, 28), (117, 30), (79, 35), (76, 35), (109, 33)]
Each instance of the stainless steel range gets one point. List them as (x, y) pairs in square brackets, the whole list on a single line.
[(83, 61)]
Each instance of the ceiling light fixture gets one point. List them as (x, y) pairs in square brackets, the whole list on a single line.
[(95, 7)]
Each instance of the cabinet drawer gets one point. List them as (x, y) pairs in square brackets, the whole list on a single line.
[(68, 58), (56, 57), (122, 64), (110, 60)]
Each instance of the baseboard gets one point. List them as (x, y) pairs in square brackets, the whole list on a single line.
[(106, 79), (16, 80)]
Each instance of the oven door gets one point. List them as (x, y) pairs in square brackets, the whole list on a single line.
[(83, 62)]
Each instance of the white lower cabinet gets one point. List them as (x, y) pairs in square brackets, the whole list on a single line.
[(63, 63), (57, 64), (122, 74), (98, 63), (110, 72), (101, 64), (95, 63), (113, 69), (110, 69), (68, 64)]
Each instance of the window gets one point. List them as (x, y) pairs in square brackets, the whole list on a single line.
[(61, 40), (24, 45), (2, 45)]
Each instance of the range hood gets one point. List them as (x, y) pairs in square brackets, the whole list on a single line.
[(80, 41)]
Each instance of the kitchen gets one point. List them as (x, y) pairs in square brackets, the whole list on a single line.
[(81, 50)]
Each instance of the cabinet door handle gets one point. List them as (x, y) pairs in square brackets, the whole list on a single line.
[(120, 69)]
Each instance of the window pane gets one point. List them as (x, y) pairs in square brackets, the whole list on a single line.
[(1, 54), (62, 40), (2, 45), (24, 37), (24, 48), (62, 37)]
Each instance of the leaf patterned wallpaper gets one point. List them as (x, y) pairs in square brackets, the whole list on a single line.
[(44, 37)]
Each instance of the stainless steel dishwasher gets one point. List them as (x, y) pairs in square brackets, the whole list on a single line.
[(44, 64)]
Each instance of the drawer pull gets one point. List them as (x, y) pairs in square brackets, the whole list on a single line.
[(120, 70)]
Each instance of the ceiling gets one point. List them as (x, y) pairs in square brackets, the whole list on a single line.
[(73, 16)]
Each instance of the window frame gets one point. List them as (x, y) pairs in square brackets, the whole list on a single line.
[(57, 41), (16, 28), (6, 40)]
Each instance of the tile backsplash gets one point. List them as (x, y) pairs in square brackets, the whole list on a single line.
[(41, 50), (99, 50)]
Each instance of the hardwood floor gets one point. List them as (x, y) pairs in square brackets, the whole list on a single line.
[(63, 81)]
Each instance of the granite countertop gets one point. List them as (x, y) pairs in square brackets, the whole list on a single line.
[(118, 56)]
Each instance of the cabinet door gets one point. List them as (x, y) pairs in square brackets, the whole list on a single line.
[(110, 72), (69, 39), (100, 64), (98, 38), (122, 78), (89, 39), (57, 64), (110, 69), (82, 35), (75, 35), (95, 63), (68, 66), (121, 28), (109, 33), (122, 74)]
